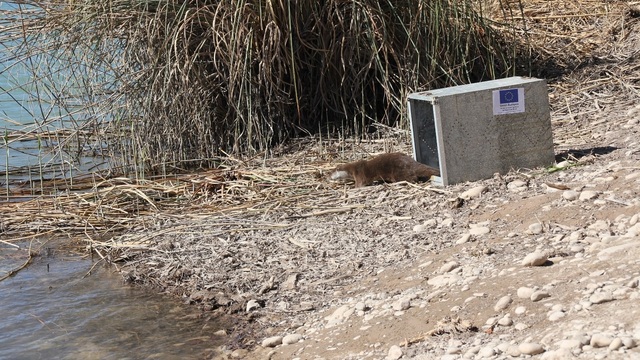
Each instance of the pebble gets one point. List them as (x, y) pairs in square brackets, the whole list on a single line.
[(534, 259), (444, 280), (600, 341), (487, 351), (535, 228), (449, 266), (503, 303), (556, 315), (539, 295), (615, 344), (252, 305), (395, 352), (529, 348), (588, 195), (401, 305), (505, 321), (464, 239), (480, 230), (272, 341), (601, 297), (569, 195), (473, 192), (569, 344), (525, 292), (291, 339), (520, 310)]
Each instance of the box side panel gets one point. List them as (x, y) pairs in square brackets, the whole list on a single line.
[(525, 140), (478, 143), (425, 147)]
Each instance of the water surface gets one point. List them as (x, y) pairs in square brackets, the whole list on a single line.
[(51, 310)]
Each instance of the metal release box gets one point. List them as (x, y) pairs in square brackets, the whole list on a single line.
[(471, 132)]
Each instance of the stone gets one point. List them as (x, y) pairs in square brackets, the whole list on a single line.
[(503, 303), (473, 192), (569, 195), (570, 344), (252, 305), (601, 297), (534, 259), (556, 315), (529, 348), (615, 344), (525, 292), (505, 321), (600, 341), (463, 239), (449, 266), (588, 195), (535, 228), (291, 339), (401, 305), (486, 352), (239, 353), (539, 295), (480, 230), (272, 341), (444, 280), (395, 352)]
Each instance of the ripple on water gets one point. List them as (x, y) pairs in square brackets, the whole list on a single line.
[(59, 314)]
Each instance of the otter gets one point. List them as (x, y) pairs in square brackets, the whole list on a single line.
[(392, 167)]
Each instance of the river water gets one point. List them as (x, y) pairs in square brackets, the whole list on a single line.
[(52, 310)]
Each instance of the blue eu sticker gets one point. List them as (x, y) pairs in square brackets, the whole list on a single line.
[(508, 96)]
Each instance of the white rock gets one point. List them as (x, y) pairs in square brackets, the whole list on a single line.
[(513, 351), (539, 295), (395, 352), (473, 192), (529, 348), (449, 266), (444, 280), (535, 228), (401, 305), (520, 310), (272, 341), (521, 326), (556, 315), (486, 352), (600, 340), (588, 195), (569, 344), (480, 230), (291, 339), (419, 228), (505, 321), (601, 297), (569, 195), (534, 259), (615, 344), (463, 239), (525, 292), (252, 305), (629, 343), (503, 303)]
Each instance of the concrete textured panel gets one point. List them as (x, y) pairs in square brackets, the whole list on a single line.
[(456, 130)]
